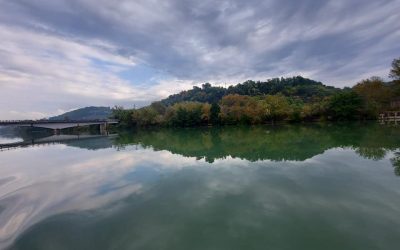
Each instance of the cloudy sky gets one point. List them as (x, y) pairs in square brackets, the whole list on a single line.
[(57, 55)]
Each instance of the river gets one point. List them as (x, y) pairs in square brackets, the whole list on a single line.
[(315, 186)]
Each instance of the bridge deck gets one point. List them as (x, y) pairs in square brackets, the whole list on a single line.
[(20, 122), (57, 124)]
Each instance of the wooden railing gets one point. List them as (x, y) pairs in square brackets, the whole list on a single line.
[(390, 115)]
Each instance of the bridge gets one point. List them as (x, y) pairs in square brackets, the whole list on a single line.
[(58, 124)]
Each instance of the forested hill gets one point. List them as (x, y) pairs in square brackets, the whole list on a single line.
[(280, 99), (302, 88), (87, 113)]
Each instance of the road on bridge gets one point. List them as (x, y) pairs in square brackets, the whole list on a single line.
[(58, 124)]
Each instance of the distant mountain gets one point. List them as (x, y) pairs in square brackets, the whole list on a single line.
[(300, 87), (87, 113)]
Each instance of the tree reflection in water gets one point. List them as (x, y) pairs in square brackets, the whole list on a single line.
[(396, 163), (296, 142)]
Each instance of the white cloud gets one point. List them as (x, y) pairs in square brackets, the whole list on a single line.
[(43, 69), (59, 55)]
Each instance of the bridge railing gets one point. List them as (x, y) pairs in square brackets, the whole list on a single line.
[(5, 122)]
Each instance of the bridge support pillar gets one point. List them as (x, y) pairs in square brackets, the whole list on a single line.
[(103, 128)]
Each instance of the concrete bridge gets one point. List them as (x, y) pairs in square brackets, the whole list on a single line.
[(58, 124)]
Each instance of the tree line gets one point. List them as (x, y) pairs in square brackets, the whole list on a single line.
[(254, 102)]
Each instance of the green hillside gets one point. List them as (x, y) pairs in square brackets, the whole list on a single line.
[(87, 113), (296, 87)]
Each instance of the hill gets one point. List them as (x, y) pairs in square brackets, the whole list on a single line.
[(87, 113), (296, 87), (254, 102)]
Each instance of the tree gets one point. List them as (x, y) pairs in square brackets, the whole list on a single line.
[(123, 115), (279, 107), (214, 114), (243, 109), (206, 85), (188, 114), (146, 116), (303, 88), (345, 106), (205, 113), (375, 94), (159, 107), (395, 71)]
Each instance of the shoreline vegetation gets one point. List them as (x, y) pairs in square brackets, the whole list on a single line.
[(294, 99)]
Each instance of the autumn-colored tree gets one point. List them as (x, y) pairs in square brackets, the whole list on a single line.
[(243, 109), (146, 116), (186, 114), (375, 93), (278, 99), (206, 113), (159, 107), (279, 107)]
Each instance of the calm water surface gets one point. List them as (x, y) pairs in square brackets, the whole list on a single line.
[(269, 187)]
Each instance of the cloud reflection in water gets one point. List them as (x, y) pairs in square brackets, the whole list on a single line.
[(140, 192)]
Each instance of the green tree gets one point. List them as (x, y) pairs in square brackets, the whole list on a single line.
[(395, 71), (346, 105), (187, 114), (214, 114), (123, 115)]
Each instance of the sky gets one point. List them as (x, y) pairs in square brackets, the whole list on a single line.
[(59, 55)]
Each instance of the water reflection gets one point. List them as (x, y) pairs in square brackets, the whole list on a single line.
[(287, 187), (286, 142), (277, 143), (8, 135), (396, 163)]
